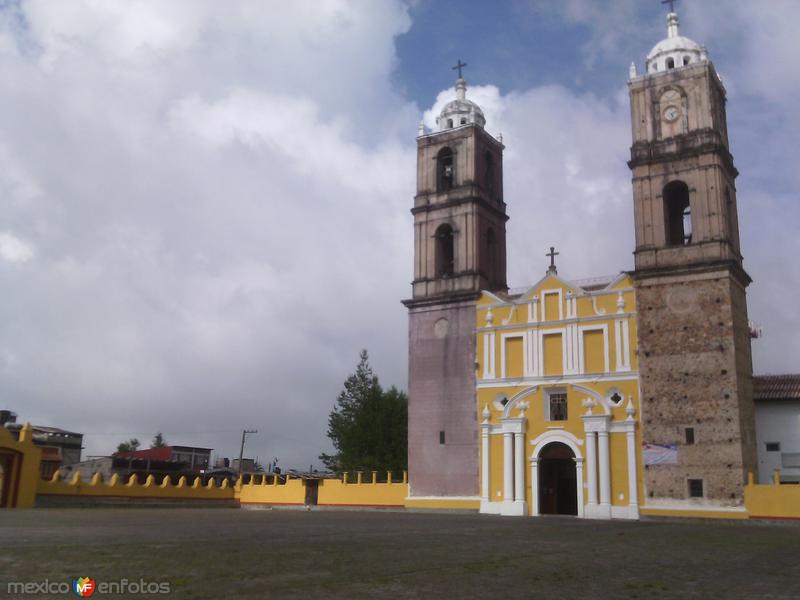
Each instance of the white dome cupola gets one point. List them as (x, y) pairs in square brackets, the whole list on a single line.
[(675, 51), (460, 111)]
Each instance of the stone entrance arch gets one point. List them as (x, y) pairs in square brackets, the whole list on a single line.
[(558, 485), (557, 471)]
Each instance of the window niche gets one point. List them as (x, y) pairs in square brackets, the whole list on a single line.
[(556, 405), (689, 433), (445, 251), (489, 174), (615, 398), (677, 214), (491, 256), (499, 402)]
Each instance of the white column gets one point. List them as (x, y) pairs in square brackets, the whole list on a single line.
[(485, 462), (579, 478), (591, 467), (633, 492), (605, 472), (519, 467), (508, 466), (534, 486)]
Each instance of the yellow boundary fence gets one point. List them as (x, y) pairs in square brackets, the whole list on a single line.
[(20, 486)]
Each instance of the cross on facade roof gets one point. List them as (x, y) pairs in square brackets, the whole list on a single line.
[(458, 67), (671, 4), (552, 254)]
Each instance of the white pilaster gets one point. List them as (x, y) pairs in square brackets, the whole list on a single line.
[(591, 466), (604, 469), (485, 426), (535, 486), (633, 488), (519, 467), (508, 466), (579, 478)]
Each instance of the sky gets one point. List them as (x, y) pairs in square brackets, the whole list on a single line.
[(205, 206)]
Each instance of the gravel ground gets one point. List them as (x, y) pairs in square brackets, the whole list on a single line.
[(233, 553)]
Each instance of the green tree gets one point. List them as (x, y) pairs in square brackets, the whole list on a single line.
[(368, 425), (158, 440), (129, 446)]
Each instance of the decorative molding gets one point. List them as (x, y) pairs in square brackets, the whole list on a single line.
[(558, 435), (581, 330), (503, 365), (550, 292), (516, 399), (561, 322), (600, 312), (560, 380)]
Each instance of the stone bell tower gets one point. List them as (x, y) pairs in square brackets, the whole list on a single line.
[(694, 344), (459, 250)]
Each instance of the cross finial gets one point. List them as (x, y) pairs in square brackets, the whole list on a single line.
[(552, 254), (458, 67), (671, 4)]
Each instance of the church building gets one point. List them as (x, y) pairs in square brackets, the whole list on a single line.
[(605, 398)]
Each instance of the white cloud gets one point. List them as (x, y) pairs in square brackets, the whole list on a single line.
[(217, 204), (13, 249)]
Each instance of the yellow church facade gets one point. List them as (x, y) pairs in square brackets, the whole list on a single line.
[(558, 399)]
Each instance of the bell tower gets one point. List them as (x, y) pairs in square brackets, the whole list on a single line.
[(694, 343), (459, 250)]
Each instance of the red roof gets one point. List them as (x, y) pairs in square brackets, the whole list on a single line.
[(776, 387), (162, 454)]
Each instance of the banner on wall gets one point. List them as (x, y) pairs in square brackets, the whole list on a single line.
[(660, 454)]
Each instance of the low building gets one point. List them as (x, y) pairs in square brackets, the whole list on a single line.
[(107, 466), (196, 460), (777, 402), (60, 447)]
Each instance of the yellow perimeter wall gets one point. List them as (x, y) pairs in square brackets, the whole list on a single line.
[(773, 501), (21, 459)]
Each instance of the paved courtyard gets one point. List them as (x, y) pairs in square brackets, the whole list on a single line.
[(231, 553)]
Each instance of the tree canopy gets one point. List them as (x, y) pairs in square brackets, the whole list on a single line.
[(158, 441), (130, 446), (368, 425)]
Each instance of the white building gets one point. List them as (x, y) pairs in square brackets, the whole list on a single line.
[(777, 401)]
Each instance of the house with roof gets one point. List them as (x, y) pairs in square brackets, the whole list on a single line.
[(777, 404)]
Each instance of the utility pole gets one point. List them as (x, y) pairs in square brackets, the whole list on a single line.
[(241, 451)]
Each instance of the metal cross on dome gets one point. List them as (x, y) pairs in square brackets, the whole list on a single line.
[(458, 67), (671, 4)]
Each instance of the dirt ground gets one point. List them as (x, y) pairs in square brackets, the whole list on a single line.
[(233, 553)]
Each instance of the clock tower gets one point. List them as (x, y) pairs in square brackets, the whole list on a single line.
[(694, 344), (459, 250)]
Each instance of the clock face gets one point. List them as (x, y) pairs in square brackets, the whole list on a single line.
[(671, 113)]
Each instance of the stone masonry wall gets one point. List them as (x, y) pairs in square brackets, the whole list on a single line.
[(694, 362), (441, 397)]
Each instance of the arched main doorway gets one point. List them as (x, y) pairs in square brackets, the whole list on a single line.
[(558, 487)]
